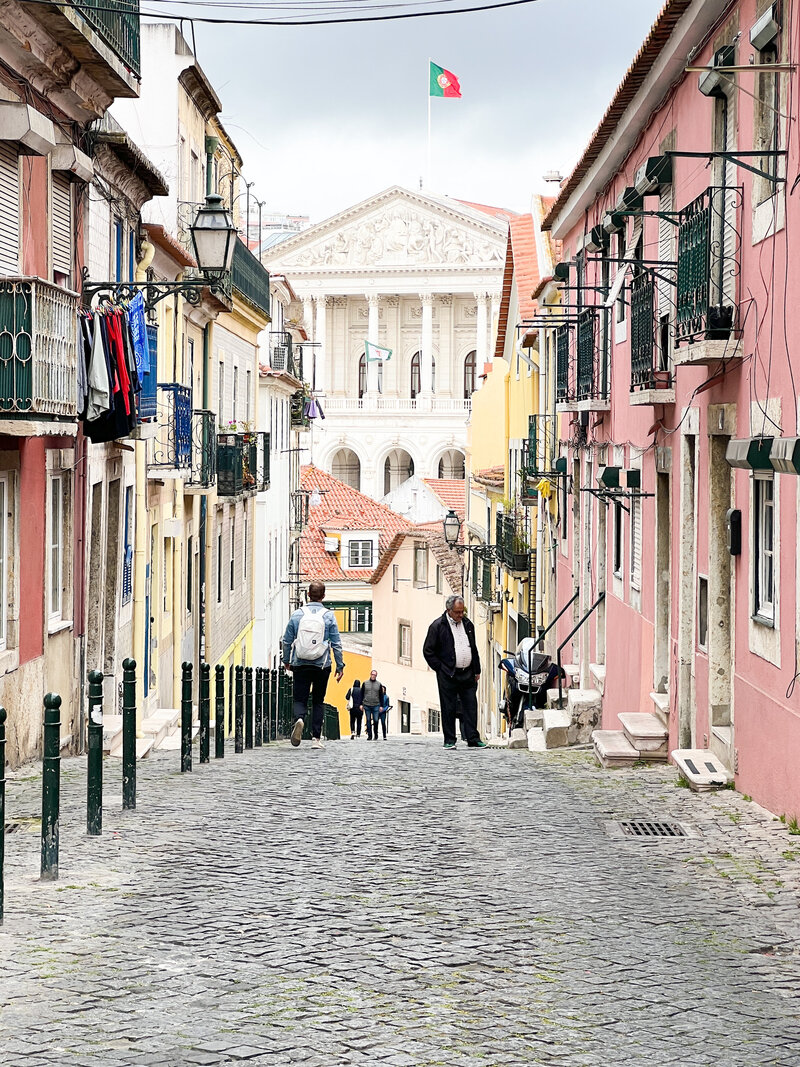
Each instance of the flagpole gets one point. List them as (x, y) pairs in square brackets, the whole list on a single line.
[(428, 173)]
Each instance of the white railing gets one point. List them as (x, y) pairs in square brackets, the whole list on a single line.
[(346, 405), (38, 348)]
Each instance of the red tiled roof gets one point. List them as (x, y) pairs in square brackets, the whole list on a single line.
[(522, 271), (341, 508), (495, 212), (494, 477), (451, 491), (432, 532), (662, 28)]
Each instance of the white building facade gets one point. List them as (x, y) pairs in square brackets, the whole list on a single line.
[(417, 274)]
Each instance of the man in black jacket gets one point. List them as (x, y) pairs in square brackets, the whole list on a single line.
[(450, 650)]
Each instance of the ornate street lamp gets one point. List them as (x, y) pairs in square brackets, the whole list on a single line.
[(452, 528), (214, 239)]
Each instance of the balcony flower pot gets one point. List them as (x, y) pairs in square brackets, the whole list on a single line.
[(518, 562)]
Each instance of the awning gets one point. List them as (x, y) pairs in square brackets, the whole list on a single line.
[(750, 453), (21, 122), (630, 254), (785, 455)]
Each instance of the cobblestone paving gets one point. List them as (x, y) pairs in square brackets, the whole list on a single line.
[(395, 904)]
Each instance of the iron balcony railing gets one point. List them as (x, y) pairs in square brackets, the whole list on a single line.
[(709, 243), (586, 351), (172, 445), (511, 541), (147, 397), (283, 356), (117, 22), (38, 350), (243, 463), (300, 508), (249, 278), (203, 464), (642, 331), (563, 391), (482, 577)]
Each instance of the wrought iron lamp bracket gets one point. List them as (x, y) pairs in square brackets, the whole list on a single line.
[(737, 158), (616, 496), (191, 289)]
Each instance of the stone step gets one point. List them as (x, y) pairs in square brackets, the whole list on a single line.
[(598, 672), (556, 724), (172, 742), (646, 733), (702, 769), (112, 734), (585, 709), (661, 706), (518, 739), (536, 741), (160, 724), (144, 746), (613, 749)]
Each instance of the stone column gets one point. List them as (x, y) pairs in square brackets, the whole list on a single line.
[(482, 330), (391, 370), (308, 316), (373, 335), (495, 299), (320, 331), (449, 372), (426, 346)]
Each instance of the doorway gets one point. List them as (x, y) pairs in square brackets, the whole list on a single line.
[(662, 585), (720, 608), (688, 594), (405, 716)]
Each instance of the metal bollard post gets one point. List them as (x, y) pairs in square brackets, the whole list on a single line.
[(259, 714), (51, 786), (205, 712), (229, 731), (128, 734), (2, 803), (219, 714), (248, 707), (239, 737), (94, 757), (186, 717)]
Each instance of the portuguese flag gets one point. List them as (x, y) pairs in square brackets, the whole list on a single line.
[(444, 82)]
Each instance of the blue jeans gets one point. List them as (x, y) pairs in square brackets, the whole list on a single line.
[(371, 711), (383, 715)]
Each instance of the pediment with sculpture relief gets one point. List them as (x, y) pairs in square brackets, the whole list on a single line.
[(404, 231)]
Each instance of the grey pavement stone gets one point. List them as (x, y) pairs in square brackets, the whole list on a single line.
[(394, 907)]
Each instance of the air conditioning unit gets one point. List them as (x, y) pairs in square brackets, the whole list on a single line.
[(712, 83), (279, 357), (331, 544), (765, 30)]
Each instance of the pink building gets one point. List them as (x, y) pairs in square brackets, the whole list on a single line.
[(671, 341)]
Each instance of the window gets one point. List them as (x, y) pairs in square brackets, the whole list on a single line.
[(190, 353), (221, 393), (4, 506), (362, 376), (189, 573), (415, 379), (233, 549), (219, 565), (9, 208), (764, 548), (420, 563), (620, 311), (702, 612), (359, 554), (360, 620), (438, 578), (636, 543), (247, 395), (470, 367), (61, 228), (235, 414), (127, 558), (56, 549), (167, 587), (617, 542), (767, 123), (395, 578), (404, 643), (434, 720), (244, 557), (119, 251)]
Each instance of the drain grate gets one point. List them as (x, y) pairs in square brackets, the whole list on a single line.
[(647, 828)]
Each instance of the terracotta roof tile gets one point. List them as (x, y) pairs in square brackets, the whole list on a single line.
[(487, 209), (493, 477), (451, 491), (447, 558), (341, 508), (522, 271)]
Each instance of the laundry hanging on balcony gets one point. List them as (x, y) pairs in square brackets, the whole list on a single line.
[(108, 379), (313, 409)]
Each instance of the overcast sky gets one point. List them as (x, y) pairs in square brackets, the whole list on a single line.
[(326, 116)]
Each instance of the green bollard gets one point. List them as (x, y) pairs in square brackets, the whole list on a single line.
[(219, 714), (239, 738), (186, 717), (51, 786), (229, 731), (248, 707), (2, 803), (205, 712), (128, 734), (259, 714), (94, 757)]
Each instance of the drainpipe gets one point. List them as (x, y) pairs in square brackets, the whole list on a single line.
[(141, 539), (211, 147)]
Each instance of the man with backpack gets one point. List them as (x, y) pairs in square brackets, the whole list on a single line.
[(311, 635)]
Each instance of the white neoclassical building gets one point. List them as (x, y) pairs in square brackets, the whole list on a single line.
[(418, 274)]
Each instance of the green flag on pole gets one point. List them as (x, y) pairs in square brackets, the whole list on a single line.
[(376, 353)]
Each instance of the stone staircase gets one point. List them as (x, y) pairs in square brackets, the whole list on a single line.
[(643, 736), (580, 712), (159, 730)]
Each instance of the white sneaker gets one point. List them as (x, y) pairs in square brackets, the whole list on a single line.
[(352, 737), (297, 732), (316, 743)]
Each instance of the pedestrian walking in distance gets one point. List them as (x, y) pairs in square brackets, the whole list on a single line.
[(383, 711), (371, 698), (356, 708), (311, 635), (451, 652)]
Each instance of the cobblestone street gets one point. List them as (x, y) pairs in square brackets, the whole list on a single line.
[(397, 904)]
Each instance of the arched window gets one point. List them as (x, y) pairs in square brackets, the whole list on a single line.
[(416, 380), (399, 466), (362, 375), (347, 468), (470, 366), (451, 465)]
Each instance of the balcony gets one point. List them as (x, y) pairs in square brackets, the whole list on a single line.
[(249, 279), (299, 511), (203, 464), (346, 405), (38, 355), (117, 22), (513, 549), (709, 242), (483, 584), (650, 384), (243, 463), (283, 356), (592, 385), (171, 454)]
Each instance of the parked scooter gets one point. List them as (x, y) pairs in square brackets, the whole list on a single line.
[(529, 674)]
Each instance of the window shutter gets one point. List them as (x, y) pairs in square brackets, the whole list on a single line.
[(636, 544), (62, 225), (9, 209), (666, 252)]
